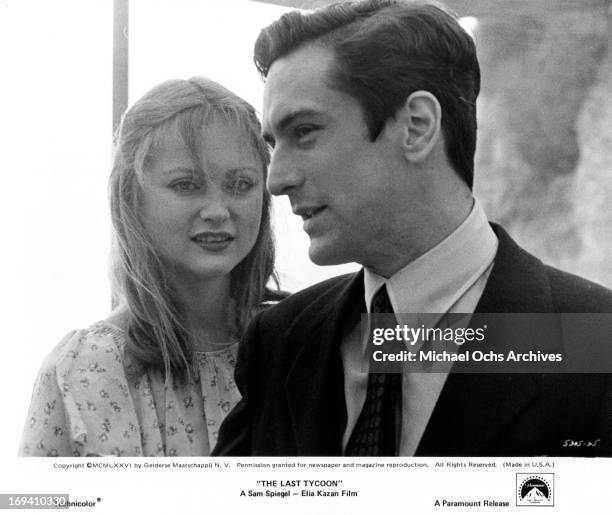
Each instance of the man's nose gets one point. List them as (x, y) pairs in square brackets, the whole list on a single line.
[(215, 208), (283, 174)]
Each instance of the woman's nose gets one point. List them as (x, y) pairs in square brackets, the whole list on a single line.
[(215, 208)]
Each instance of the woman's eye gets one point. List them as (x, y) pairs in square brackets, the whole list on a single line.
[(240, 186), (185, 186)]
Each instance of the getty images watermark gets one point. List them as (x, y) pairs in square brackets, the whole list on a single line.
[(489, 342)]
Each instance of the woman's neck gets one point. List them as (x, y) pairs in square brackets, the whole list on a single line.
[(208, 310)]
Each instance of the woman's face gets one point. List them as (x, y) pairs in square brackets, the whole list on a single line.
[(203, 217)]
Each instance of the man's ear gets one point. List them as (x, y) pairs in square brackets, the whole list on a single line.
[(419, 121)]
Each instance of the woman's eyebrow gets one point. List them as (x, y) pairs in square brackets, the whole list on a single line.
[(179, 170), (246, 168)]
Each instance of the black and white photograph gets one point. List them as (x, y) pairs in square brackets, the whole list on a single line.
[(212, 203)]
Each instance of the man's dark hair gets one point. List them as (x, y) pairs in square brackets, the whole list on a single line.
[(385, 50)]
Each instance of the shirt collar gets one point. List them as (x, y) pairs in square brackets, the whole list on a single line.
[(435, 281)]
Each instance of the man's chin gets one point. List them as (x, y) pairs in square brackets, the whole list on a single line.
[(327, 255)]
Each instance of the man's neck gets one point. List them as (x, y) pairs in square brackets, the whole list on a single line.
[(436, 225)]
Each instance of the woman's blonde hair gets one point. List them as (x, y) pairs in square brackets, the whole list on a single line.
[(157, 336)]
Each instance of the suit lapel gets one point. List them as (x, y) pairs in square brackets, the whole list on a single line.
[(473, 409), (315, 384)]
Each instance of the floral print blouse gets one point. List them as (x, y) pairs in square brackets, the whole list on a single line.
[(85, 404)]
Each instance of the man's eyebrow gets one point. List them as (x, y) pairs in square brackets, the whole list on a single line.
[(286, 121)]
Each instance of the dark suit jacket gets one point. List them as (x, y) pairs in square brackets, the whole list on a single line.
[(290, 373)]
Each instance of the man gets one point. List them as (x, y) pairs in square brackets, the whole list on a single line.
[(370, 108)]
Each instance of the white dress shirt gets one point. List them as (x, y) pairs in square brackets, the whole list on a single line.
[(449, 278)]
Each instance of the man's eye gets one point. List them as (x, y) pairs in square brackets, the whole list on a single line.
[(183, 186), (304, 130)]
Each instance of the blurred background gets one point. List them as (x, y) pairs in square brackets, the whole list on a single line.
[(544, 160)]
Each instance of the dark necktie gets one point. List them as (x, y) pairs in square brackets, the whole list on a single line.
[(375, 430)]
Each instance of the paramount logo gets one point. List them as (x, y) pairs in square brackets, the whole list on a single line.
[(534, 489), (535, 496)]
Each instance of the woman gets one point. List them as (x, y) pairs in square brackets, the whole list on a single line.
[(193, 253)]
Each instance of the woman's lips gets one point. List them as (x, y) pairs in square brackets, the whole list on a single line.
[(213, 241)]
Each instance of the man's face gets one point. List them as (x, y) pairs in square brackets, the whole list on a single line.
[(344, 186)]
